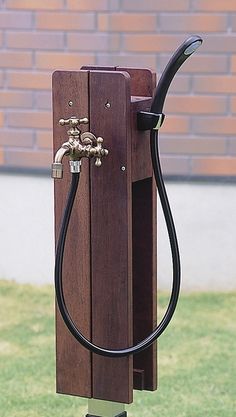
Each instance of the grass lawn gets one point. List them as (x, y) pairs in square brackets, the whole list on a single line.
[(197, 358)]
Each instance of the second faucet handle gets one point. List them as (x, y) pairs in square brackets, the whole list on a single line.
[(74, 121)]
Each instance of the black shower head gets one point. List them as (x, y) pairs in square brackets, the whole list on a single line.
[(187, 48)]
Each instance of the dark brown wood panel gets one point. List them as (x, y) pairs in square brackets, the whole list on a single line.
[(141, 156), (144, 279), (143, 81), (98, 68), (111, 235), (73, 362), (103, 220)]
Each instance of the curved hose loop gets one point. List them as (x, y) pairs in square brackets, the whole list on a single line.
[(175, 259), (179, 57)]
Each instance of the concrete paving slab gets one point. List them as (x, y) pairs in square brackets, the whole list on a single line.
[(205, 216), (26, 228)]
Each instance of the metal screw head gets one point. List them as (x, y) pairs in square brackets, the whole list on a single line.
[(108, 105), (70, 103), (123, 168)]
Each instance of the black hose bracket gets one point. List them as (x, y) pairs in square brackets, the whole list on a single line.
[(149, 121)]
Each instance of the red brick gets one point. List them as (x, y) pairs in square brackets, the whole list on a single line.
[(152, 43), (29, 80), (127, 22), (88, 5), (233, 104), (215, 6), (192, 145), (43, 100), (205, 64), (65, 21), (224, 166), (201, 64), (233, 22), (232, 146), (79, 18), (172, 165), (16, 137), (93, 42), (174, 124), (15, 99), (1, 79), (193, 22), (47, 60), (180, 84), (233, 63), (225, 42), (127, 60), (103, 22), (35, 4), (30, 119), (10, 59), (215, 84), (15, 20), (215, 125), (44, 139), (1, 118), (114, 5), (35, 40), (1, 156), (156, 5), (29, 159), (196, 104)]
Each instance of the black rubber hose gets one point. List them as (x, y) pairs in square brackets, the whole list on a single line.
[(179, 57), (175, 259)]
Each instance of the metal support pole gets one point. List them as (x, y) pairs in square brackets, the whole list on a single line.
[(100, 408)]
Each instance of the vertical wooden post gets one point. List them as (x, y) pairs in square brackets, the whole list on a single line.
[(72, 360), (109, 274), (111, 235)]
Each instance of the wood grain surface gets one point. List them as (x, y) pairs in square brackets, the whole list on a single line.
[(73, 362), (109, 272), (111, 235), (143, 81), (144, 279)]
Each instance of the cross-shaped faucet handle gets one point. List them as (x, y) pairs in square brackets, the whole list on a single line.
[(74, 121)]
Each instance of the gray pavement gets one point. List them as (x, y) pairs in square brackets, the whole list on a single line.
[(26, 228), (205, 216)]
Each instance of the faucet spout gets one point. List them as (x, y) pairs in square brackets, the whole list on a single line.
[(57, 167)]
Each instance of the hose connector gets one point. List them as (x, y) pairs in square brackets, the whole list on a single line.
[(57, 170), (75, 166)]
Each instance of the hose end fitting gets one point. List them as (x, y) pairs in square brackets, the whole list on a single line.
[(57, 170), (75, 166)]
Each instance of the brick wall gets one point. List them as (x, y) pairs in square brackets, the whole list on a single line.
[(37, 37)]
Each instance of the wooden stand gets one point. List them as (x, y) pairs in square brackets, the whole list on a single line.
[(109, 274)]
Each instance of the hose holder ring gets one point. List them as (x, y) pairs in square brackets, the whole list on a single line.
[(149, 121)]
